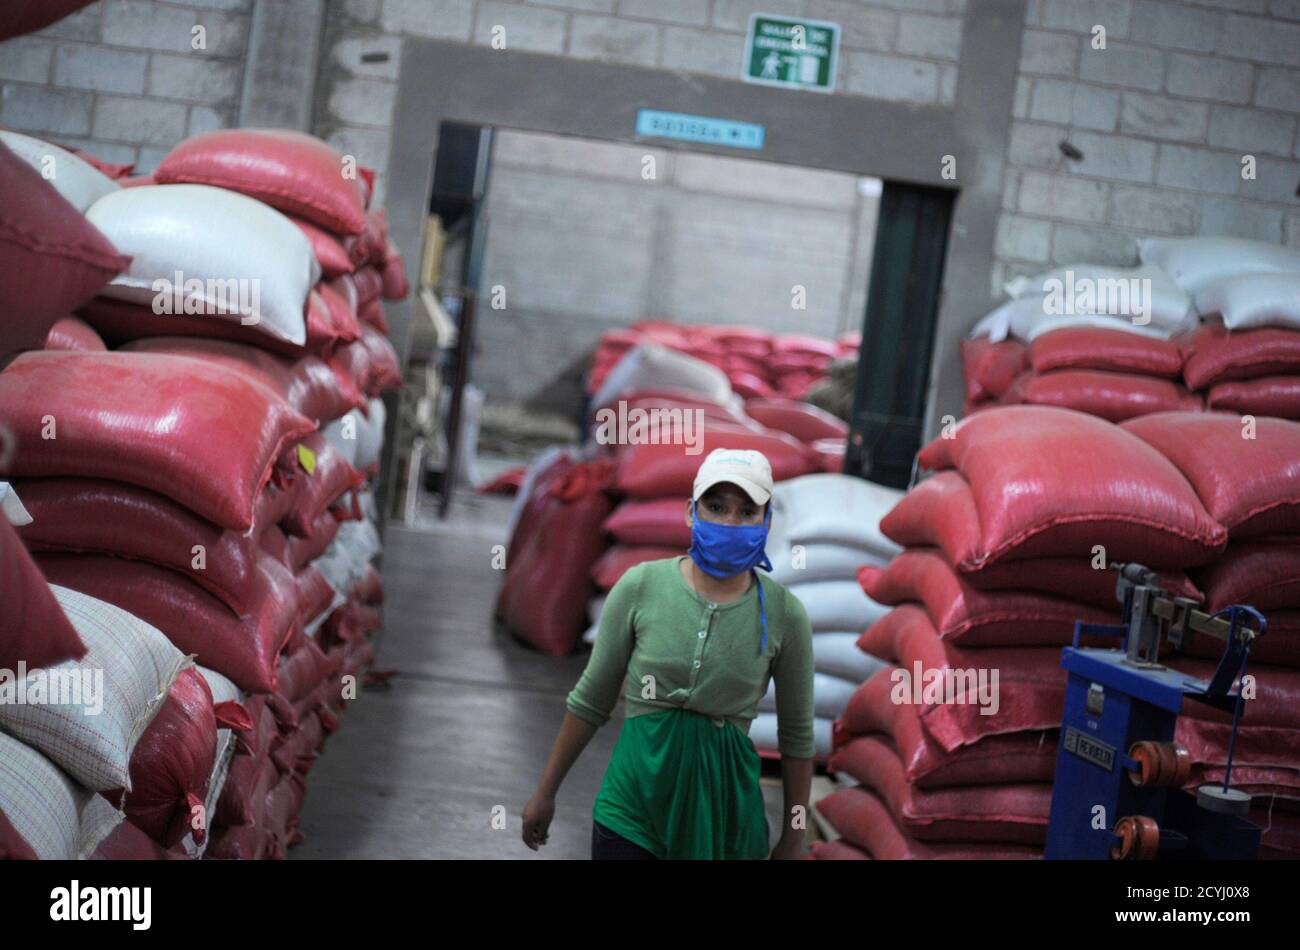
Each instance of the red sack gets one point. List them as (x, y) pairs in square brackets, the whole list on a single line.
[(652, 470), (1050, 482), (615, 562), (749, 386), (315, 595), (1267, 396), (974, 618), (119, 321), (345, 327), (989, 368), (321, 489), (198, 434), (373, 314), (831, 452), (1028, 756), (866, 823), (547, 586), (1260, 574), (1073, 576), (244, 650), (1101, 348), (105, 517), (1009, 814), (126, 842), (394, 284), (72, 333), (35, 631), (1213, 354), (288, 170), (28, 16), (172, 763), (837, 850), (1111, 396), (1250, 486), (52, 259), (1029, 694), (369, 283), (12, 845), (802, 344), (329, 251), (301, 551), (302, 672), (805, 422), (307, 384), (370, 589), (385, 370)]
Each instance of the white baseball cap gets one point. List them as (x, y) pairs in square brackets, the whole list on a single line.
[(746, 468)]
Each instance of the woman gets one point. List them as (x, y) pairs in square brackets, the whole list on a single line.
[(697, 638)]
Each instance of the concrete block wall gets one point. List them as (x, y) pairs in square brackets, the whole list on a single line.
[(903, 50), (580, 242), (128, 79), (1164, 115)]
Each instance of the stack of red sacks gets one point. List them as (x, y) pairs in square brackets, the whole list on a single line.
[(1007, 546), (1250, 372), (1115, 374), (200, 476), (757, 363)]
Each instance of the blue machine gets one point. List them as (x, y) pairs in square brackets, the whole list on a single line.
[(1117, 791)]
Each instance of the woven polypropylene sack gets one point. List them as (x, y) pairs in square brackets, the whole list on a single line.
[(547, 585), (837, 654), (655, 521), (200, 435), (1111, 396), (331, 253), (837, 850), (106, 517), (652, 470), (1264, 574), (237, 259), (172, 763), (1104, 349), (1008, 814), (651, 366), (871, 831), (1196, 262), (1249, 485), (1029, 692), (52, 259), (964, 614), (1048, 482), (75, 179), (1254, 300), (1025, 756), (292, 171), (1214, 354), (93, 711), (615, 562), (307, 384), (989, 367), (805, 422), (666, 401), (329, 479), (36, 631), (72, 333), (1076, 578), (120, 321), (243, 649), (825, 508), (44, 806), (837, 605), (1267, 396), (1143, 300)]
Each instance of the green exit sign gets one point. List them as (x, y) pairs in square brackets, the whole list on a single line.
[(797, 54)]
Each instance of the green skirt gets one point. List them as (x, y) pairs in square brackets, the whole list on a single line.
[(684, 788)]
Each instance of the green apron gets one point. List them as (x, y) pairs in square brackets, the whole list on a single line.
[(685, 788)]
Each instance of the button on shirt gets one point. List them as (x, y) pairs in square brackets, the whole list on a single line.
[(674, 648)]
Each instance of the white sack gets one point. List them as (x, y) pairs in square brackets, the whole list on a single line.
[(838, 654), (80, 182), (1253, 300), (653, 366), (829, 508), (830, 695), (835, 606), (762, 732), (1196, 262)]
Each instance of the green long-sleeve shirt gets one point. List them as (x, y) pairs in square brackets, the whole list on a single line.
[(674, 648)]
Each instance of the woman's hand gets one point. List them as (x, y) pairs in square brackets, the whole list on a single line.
[(537, 819), (789, 848)]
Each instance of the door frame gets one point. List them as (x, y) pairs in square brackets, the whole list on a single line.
[(443, 81)]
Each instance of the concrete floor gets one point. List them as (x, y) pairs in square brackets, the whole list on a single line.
[(419, 769)]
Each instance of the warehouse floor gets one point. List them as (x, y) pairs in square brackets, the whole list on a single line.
[(463, 732)]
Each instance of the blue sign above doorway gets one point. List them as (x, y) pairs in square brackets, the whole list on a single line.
[(699, 128)]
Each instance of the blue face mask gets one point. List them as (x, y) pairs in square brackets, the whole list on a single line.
[(723, 550)]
